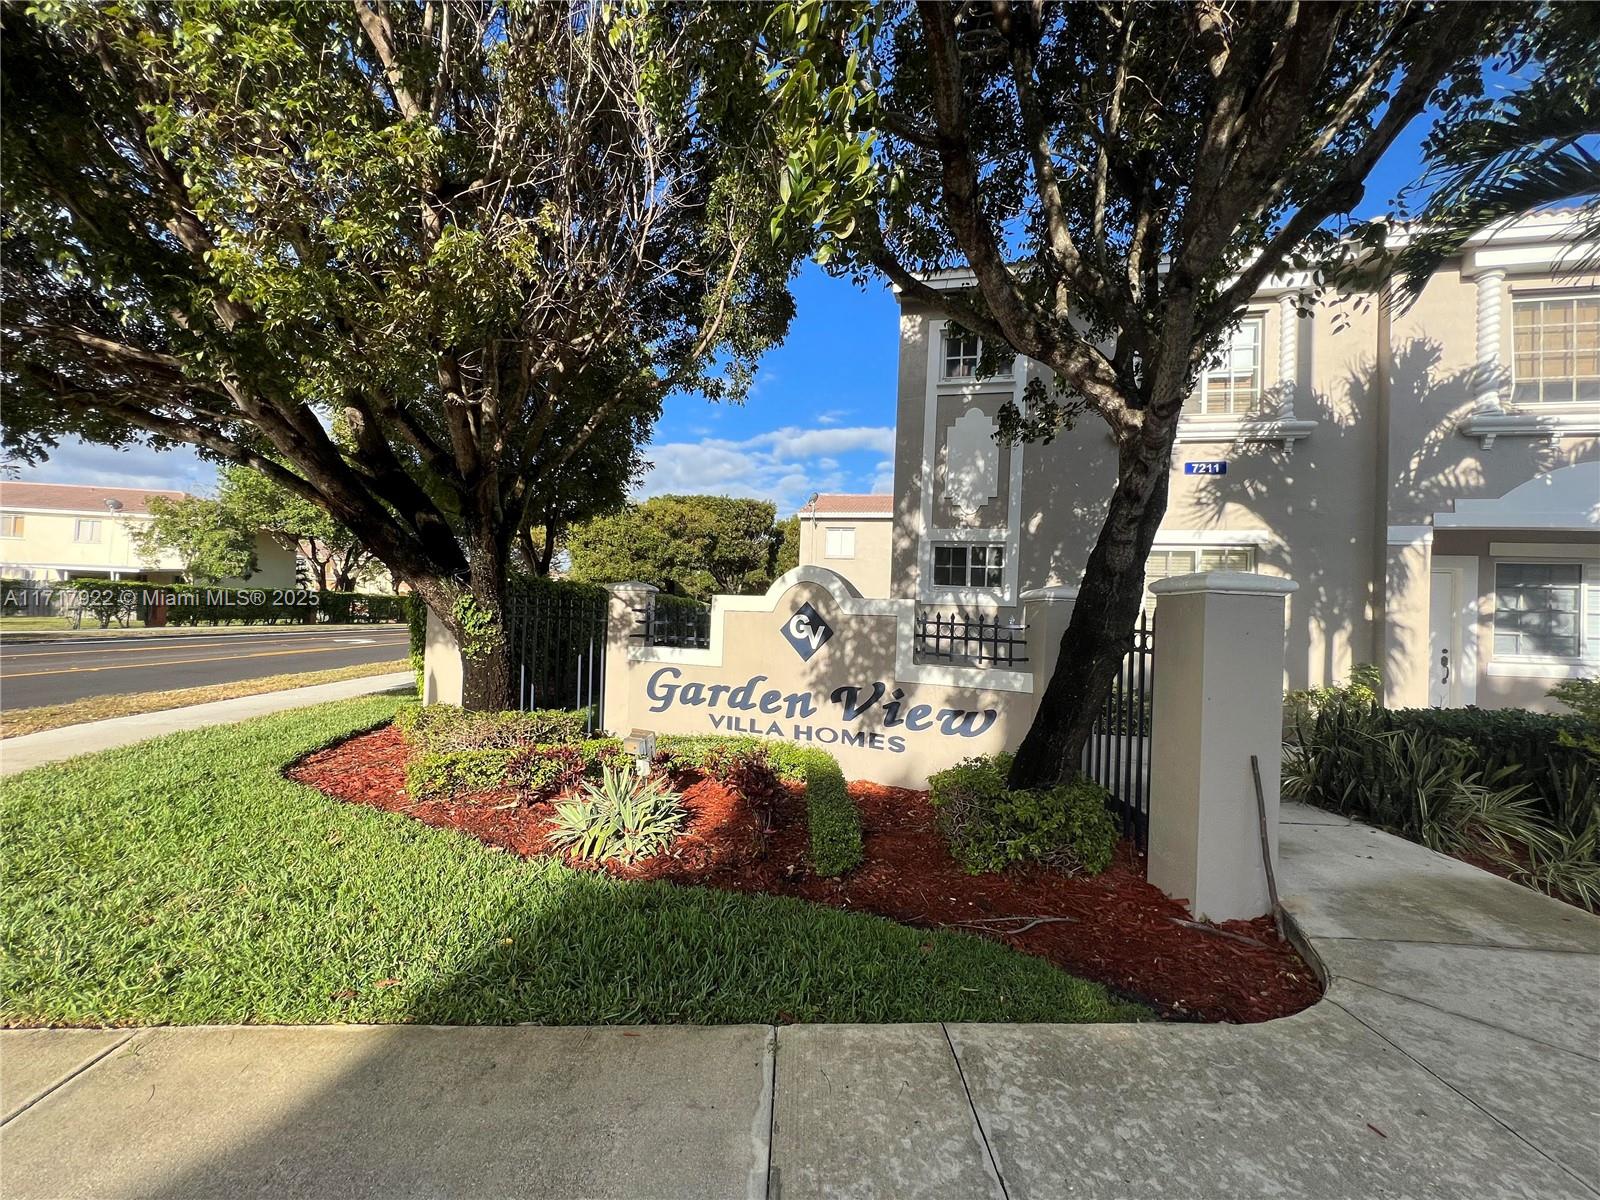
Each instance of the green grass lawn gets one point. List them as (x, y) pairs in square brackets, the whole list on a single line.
[(186, 881)]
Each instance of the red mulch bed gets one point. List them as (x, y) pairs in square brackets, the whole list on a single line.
[(1117, 928)]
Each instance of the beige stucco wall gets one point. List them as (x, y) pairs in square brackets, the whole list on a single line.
[(753, 681), (870, 568)]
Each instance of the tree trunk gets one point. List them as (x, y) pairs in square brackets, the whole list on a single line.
[(480, 630), (1100, 632)]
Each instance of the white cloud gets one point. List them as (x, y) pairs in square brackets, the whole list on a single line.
[(782, 465), (883, 477), (833, 416), (76, 461)]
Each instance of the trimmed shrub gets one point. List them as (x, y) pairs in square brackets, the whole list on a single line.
[(990, 827), (832, 820), (444, 728), (457, 773)]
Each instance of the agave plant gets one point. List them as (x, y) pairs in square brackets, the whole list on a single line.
[(622, 817)]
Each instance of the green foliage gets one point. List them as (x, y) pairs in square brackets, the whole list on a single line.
[(695, 545), (205, 536), (1497, 156), (1501, 782), (1365, 686), (624, 817), (533, 769), (339, 560), (990, 827), (1582, 696), (390, 254), (478, 625), (186, 881), (417, 625), (444, 728), (788, 555), (832, 819)]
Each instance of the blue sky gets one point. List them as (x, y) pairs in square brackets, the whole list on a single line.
[(820, 417)]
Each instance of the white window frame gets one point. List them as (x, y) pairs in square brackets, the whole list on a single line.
[(1559, 665), (848, 534), (77, 531), (1540, 404), (950, 330), (1196, 409), (1199, 550), (18, 522), (966, 585)]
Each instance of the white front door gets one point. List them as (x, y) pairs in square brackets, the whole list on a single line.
[(1452, 632)]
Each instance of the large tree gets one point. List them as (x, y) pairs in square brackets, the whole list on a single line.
[(690, 545), (1119, 179), (472, 233), (338, 559)]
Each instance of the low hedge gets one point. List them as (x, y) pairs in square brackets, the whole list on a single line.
[(832, 819), (1540, 751), (445, 728), (195, 604), (536, 769), (989, 827)]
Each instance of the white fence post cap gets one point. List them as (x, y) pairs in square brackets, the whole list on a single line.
[(1224, 583)]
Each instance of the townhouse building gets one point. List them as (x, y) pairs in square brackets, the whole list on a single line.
[(1428, 474), (55, 531)]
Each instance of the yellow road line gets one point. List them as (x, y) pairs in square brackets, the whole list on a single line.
[(175, 662), (195, 643)]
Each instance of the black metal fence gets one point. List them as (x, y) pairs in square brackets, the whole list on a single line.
[(672, 621), (1117, 754), (557, 640), (983, 641)]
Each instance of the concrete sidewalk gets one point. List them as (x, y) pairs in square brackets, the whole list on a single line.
[(1455, 1055), (55, 745)]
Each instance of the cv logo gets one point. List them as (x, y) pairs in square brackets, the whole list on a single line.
[(806, 631)]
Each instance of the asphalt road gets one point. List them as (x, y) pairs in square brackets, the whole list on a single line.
[(59, 672)]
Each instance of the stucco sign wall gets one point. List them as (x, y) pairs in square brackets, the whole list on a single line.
[(813, 663)]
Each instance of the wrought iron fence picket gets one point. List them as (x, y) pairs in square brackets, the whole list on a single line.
[(1117, 754)]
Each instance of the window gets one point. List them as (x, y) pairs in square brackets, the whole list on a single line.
[(10, 525), (962, 351), (841, 543), (964, 565), (1231, 385), (86, 531), (1163, 564), (1556, 350), (1538, 609)]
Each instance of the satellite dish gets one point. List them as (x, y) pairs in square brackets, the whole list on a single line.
[(114, 505)]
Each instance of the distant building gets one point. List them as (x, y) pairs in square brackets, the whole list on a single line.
[(853, 535), (55, 531)]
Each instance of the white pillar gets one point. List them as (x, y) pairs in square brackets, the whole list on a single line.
[(1288, 354), (622, 617), (443, 675), (1046, 612), (1487, 394), (1218, 700)]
